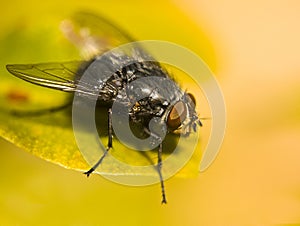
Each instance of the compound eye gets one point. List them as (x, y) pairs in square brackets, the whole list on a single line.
[(192, 98), (177, 115)]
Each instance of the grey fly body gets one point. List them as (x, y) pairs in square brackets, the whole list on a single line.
[(162, 99)]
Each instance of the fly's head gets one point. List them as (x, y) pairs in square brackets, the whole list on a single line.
[(181, 117)]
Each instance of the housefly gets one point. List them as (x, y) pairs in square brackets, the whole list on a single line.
[(94, 35)]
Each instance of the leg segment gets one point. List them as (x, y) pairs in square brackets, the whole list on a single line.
[(41, 112), (159, 166), (109, 145)]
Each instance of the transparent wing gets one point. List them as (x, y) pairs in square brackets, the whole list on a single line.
[(61, 76), (93, 34)]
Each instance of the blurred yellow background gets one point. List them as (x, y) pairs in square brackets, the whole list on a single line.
[(253, 49)]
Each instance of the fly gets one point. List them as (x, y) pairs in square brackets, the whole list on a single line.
[(95, 35)]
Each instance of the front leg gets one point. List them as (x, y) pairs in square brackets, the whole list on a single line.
[(159, 166)]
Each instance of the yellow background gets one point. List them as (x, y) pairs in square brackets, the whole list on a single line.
[(253, 48)]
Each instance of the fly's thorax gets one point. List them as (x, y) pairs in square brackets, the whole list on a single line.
[(171, 108)]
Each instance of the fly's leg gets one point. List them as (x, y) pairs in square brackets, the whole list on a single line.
[(40, 112), (109, 145), (159, 166)]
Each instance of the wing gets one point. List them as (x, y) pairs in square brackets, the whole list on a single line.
[(61, 76), (92, 34)]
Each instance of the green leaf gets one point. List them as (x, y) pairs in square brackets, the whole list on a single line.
[(50, 136)]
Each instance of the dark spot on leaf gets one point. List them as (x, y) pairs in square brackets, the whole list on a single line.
[(17, 96)]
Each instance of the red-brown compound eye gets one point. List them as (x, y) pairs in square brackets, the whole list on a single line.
[(177, 115), (192, 98)]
